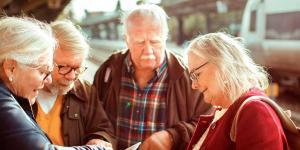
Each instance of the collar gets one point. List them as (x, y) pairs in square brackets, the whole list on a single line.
[(25, 104), (81, 90)]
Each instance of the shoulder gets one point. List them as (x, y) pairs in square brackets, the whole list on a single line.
[(3, 90), (6, 97), (114, 62), (81, 89), (176, 66), (175, 59), (257, 112), (259, 127), (117, 56), (9, 107), (257, 106)]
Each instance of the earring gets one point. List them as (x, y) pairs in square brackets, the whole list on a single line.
[(10, 78)]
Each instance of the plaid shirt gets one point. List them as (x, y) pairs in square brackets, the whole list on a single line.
[(141, 111)]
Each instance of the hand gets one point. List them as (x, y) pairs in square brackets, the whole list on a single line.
[(99, 142), (161, 140)]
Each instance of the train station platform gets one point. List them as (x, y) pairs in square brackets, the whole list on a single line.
[(102, 49)]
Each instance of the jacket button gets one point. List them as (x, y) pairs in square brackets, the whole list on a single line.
[(75, 115), (213, 125)]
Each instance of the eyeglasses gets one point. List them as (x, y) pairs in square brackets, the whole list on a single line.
[(47, 74), (64, 69), (41, 69), (193, 75)]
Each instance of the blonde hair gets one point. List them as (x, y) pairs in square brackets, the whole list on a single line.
[(69, 37), (25, 40), (237, 71), (156, 13)]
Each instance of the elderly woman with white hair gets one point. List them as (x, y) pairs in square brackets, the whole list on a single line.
[(26, 58), (221, 68)]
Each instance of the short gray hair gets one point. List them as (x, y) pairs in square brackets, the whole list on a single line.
[(25, 40), (237, 71), (147, 11), (69, 37)]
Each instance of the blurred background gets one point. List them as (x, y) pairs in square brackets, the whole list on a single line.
[(269, 28)]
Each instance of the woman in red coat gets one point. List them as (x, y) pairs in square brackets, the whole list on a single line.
[(221, 68)]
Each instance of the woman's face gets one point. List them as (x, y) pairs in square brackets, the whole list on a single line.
[(28, 80), (204, 79)]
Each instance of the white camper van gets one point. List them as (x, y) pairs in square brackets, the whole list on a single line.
[(271, 30)]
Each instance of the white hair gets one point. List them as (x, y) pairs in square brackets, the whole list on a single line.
[(156, 13), (237, 71), (70, 38), (25, 40)]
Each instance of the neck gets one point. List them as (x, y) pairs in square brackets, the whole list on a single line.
[(226, 103), (143, 76), (46, 89)]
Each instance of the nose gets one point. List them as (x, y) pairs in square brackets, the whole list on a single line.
[(71, 75), (148, 48), (194, 85)]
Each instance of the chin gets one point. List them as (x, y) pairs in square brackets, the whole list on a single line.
[(64, 90), (209, 100), (32, 99), (149, 63)]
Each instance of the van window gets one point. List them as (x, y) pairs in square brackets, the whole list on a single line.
[(253, 21), (283, 26)]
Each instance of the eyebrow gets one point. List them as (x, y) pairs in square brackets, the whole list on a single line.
[(195, 69)]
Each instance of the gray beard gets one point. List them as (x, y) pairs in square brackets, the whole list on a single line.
[(56, 89)]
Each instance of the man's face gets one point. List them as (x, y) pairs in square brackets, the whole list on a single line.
[(146, 44), (63, 83)]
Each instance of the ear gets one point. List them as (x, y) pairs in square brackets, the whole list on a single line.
[(9, 66)]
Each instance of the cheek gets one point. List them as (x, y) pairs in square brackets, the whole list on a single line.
[(158, 53), (27, 83), (34, 81), (135, 55), (55, 75)]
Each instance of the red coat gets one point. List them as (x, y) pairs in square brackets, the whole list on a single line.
[(258, 128)]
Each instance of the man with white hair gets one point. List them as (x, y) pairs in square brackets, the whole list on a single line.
[(145, 89), (64, 108)]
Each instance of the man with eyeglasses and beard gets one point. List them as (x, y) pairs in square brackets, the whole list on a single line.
[(64, 109)]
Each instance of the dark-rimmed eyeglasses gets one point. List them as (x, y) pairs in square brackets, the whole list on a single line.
[(45, 72), (64, 69), (193, 75)]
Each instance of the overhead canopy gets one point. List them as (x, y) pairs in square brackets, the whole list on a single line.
[(94, 20), (44, 10), (182, 8)]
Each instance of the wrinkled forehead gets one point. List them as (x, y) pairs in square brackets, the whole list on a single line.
[(69, 56), (150, 22)]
